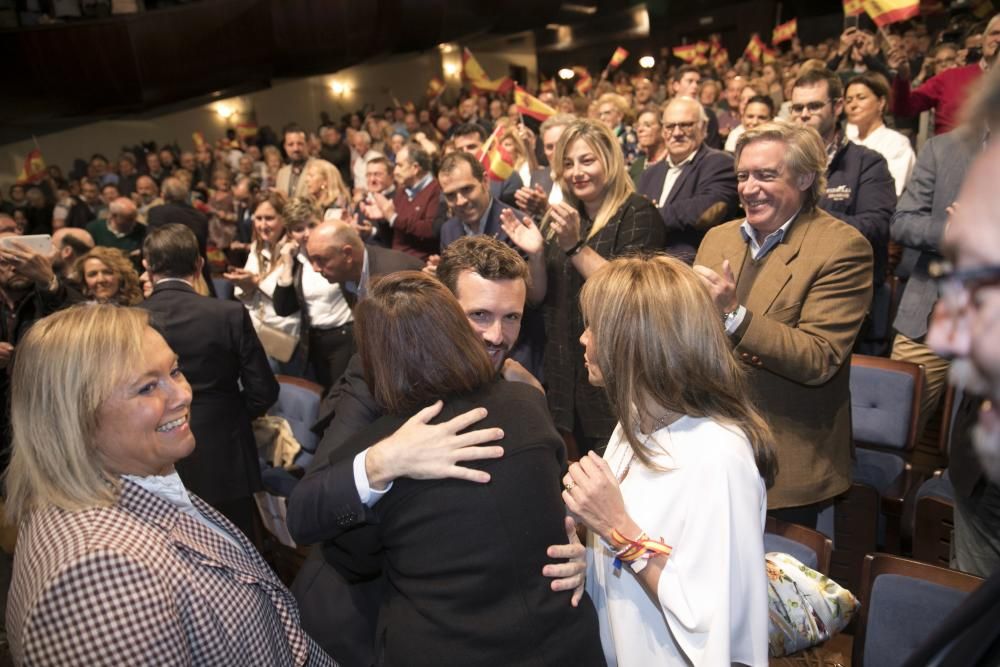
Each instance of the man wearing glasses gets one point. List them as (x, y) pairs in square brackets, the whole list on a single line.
[(859, 188), (694, 187)]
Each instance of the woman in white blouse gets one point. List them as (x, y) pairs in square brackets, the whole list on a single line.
[(676, 506), (256, 281), (865, 103)]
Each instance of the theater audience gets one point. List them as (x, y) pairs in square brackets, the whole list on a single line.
[(101, 414), (679, 496), (758, 109), (105, 275)]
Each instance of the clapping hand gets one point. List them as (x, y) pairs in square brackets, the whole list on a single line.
[(523, 232)]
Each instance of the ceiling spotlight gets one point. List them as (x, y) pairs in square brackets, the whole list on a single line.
[(647, 62), (337, 88), (224, 111), (565, 73)]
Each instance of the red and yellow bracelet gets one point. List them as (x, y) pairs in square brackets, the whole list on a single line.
[(636, 552)]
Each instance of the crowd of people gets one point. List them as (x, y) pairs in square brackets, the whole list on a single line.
[(647, 321)]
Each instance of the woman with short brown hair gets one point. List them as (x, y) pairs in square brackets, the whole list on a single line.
[(463, 561)]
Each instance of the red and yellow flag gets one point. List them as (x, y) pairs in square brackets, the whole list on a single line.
[(584, 82), (434, 88), (499, 164), (246, 131), (529, 105), (686, 52), (474, 73), (199, 140), (33, 169), (754, 52), (785, 32), (720, 59), (884, 12), (769, 55), (617, 58), (854, 7), (702, 48)]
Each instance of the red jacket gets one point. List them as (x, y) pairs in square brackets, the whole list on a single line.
[(945, 93), (413, 230)]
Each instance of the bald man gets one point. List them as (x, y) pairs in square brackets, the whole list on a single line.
[(337, 252), (695, 187), (121, 230), (68, 245)]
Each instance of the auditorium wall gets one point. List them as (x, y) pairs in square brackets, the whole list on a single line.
[(403, 77)]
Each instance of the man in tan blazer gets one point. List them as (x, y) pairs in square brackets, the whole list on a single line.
[(793, 285)]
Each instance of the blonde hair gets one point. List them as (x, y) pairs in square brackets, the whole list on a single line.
[(609, 153), (660, 344), (129, 289), (619, 102), (335, 193), (804, 153), (66, 367)]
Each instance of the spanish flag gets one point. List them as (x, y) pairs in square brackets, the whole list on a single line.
[(33, 169), (702, 47), (583, 80), (854, 7), (785, 32), (617, 58), (884, 12), (755, 49), (434, 88), (529, 105), (199, 140), (720, 59), (686, 52), (473, 72), (499, 164)]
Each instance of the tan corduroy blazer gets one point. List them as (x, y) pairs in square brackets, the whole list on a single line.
[(804, 312)]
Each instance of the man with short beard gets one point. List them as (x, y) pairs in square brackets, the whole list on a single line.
[(146, 196), (290, 181)]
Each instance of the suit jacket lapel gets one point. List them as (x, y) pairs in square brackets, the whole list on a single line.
[(685, 174), (777, 272)]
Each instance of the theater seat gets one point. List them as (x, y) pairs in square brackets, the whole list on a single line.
[(934, 520), (807, 546), (902, 602), (298, 402)]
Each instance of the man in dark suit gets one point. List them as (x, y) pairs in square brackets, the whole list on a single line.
[(695, 187), (176, 209), (226, 366), (859, 188), (793, 285)]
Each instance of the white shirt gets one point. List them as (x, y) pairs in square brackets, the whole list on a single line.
[(894, 147), (734, 136), (260, 302), (324, 300), (709, 505), (673, 173), (360, 168)]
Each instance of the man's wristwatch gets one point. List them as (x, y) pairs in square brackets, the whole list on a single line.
[(727, 318)]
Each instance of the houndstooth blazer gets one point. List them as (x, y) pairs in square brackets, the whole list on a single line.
[(142, 583)]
